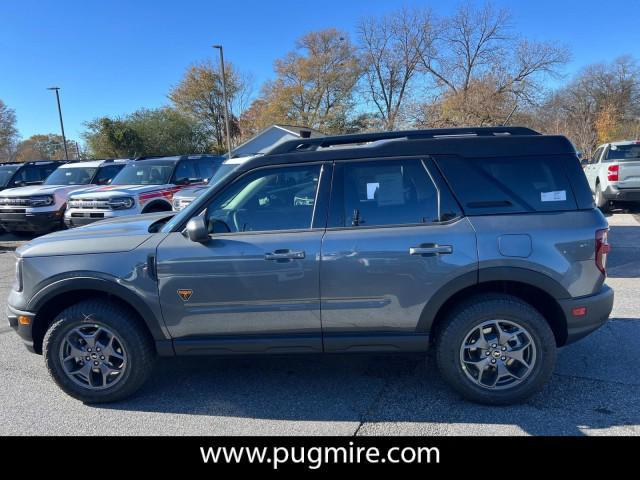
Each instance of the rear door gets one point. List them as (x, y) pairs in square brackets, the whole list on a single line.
[(628, 159), (395, 236)]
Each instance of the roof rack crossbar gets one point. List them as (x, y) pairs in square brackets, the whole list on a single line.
[(311, 144)]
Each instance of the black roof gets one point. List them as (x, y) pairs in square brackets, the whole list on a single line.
[(464, 142)]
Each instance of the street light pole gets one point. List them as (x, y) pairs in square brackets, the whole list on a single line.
[(64, 139), (224, 99)]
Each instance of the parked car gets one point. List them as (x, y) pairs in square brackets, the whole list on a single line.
[(187, 195), (144, 186), (15, 174), (483, 242), (614, 173), (40, 208)]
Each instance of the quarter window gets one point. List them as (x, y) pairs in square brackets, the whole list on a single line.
[(270, 199)]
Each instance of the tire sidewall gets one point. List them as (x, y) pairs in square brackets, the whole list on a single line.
[(53, 342), (543, 339)]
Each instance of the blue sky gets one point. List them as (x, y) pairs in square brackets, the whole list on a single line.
[(113, 57)]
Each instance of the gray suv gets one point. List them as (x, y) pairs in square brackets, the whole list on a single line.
[(482, 242)]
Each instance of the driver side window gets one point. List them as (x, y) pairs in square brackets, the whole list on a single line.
[(269, 199)]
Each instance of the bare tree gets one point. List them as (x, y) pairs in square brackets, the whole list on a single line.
[(482, 71), (391, 49)]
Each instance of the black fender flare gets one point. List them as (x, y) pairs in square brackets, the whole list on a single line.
[(100, 283), (486, 275), (157, 202)]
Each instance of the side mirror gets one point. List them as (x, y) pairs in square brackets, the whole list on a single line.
[(197, 230)]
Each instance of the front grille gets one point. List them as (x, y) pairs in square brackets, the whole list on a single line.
[(15, 201), (13, 210), (90, 204)]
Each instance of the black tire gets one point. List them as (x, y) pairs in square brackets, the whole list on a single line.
[(601, 202), (135, 340), (472, 313)]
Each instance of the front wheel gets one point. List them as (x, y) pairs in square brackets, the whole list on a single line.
[(496, 349), (96, 351)]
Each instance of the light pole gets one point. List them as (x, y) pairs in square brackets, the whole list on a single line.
[(64, 139), (224, 99)]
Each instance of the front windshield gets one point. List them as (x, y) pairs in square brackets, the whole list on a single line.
[(144, 173), (71, 176), (6, 172), (222, 172)]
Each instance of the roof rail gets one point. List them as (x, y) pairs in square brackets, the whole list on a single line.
[(312, 144)]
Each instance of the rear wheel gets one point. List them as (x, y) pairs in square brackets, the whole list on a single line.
[(97, 352), (496, 349)]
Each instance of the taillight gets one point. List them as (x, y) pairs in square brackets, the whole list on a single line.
[(612, 173), (602, 249)]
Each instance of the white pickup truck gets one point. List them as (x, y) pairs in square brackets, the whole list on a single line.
[(614, 173)]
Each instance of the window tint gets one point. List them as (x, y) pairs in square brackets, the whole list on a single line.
[(71, 176), (46, 170), (208, 166), (106, 174), (504, 185), (270, 199), (389, 193), (186, 172), (27, 175), (621, 153)]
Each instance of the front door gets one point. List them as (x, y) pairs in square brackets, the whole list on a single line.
[(395, 237), (254, 286)]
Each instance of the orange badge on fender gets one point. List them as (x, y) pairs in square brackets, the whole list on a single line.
[(185, 294)]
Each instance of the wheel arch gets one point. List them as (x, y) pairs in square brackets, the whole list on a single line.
[(157, 205), (539, 290), (54, 298)]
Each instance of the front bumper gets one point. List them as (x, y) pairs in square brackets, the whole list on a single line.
[(75, 217), (23, 330), (622, 194), (598, 307), (30, 221)]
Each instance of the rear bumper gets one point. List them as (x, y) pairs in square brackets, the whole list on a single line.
[(30, 222), (598, 307), (622, 194)]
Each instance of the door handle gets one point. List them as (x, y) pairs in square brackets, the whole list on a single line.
[(285, 255), (435, 250)]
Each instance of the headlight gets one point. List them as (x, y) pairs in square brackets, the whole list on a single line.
[(17, 282), (41, 201), (121, 203)]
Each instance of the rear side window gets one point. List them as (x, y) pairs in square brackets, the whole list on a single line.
[(393, 192), (509, 185), (186, 172), (208, 166)]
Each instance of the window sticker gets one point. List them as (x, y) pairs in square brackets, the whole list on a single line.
[(391, 190), (557, 196), (372, 189)]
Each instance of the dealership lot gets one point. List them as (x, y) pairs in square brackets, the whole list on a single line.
[(595, 389)]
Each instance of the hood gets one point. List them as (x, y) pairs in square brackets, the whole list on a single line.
[(191, 193), (34, 190), (108, 236), (110, 191)]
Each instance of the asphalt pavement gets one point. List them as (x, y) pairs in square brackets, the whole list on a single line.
[(595, 389)]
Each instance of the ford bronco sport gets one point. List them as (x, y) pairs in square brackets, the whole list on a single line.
[(483, 242), (144, 186), (40, 208)]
